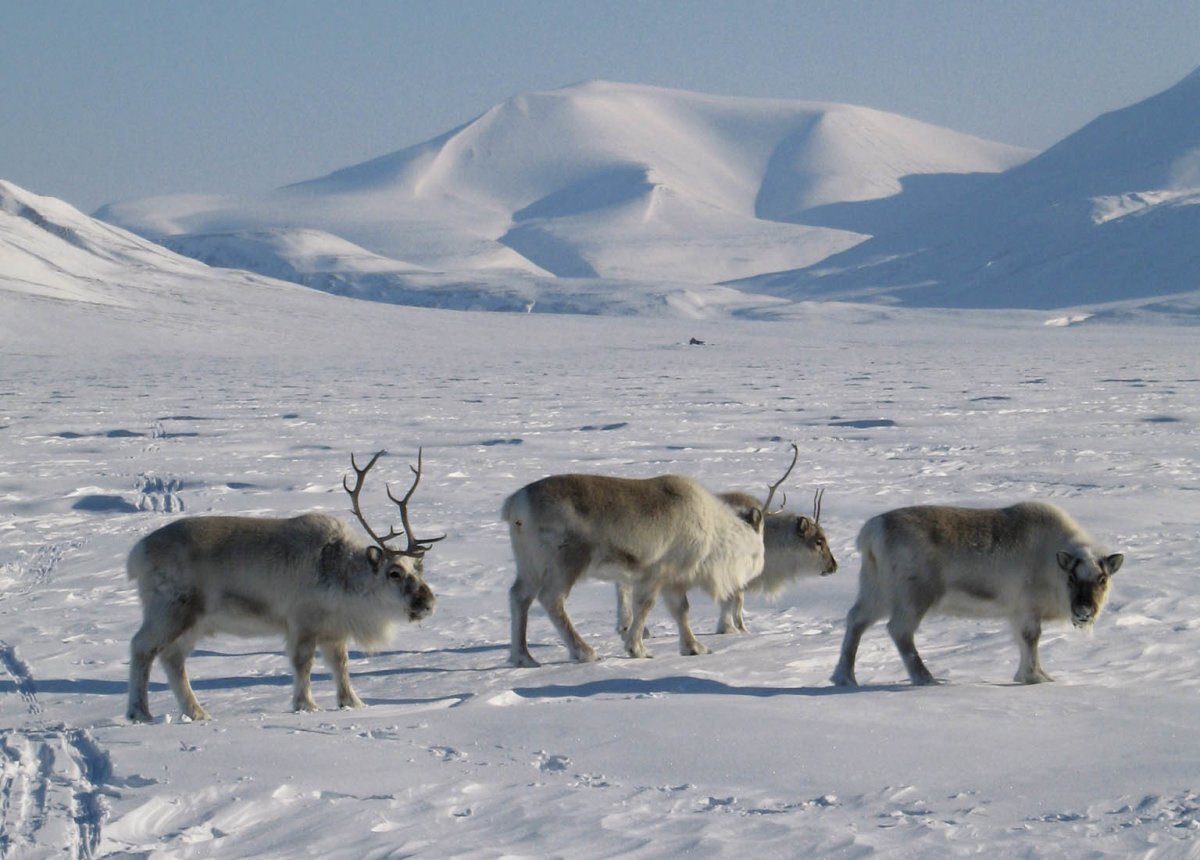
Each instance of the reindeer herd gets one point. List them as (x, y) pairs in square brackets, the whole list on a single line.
[(316, 581)]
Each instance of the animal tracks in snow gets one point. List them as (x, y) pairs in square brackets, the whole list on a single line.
[(21, 676), (30, 572), (52, 779), (159, 493), (51, 792)]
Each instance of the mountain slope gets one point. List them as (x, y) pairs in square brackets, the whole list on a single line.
[(55, 250), (1109, 213), (602, 180), (68, 280), (65, 275)]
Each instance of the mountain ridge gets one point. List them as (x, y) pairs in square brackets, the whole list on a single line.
[(607, 197), (1108, 213), (600, 180)]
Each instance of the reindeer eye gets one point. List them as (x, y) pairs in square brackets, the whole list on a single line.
[(395, 573), (1074, 580)]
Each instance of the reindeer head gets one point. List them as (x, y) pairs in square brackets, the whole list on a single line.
[(809, 533), (403, 569), (813, 537), (1088, 579)]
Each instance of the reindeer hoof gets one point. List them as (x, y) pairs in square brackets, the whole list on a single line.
[(843, 679), (1033, 678)]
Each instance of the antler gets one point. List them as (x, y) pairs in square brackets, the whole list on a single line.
[(817, 497), (766, 508), (358, 485), (416, 546)]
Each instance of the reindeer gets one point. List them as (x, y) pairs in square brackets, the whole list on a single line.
[(308, 577), (659, 535), (1028, 563), (793, 546)]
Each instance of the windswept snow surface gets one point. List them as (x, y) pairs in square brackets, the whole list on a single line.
[(598, 181), (154, 396)]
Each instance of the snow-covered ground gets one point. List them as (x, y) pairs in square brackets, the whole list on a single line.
[(239, 396)]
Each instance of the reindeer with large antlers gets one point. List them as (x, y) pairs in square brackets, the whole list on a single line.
[(662, 535), (309, 577)]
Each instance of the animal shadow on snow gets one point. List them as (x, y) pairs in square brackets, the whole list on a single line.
[(284, 676), (679, 685), (102, 687), (675, 685)]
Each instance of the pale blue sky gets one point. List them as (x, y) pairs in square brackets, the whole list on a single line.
[(106, 101)]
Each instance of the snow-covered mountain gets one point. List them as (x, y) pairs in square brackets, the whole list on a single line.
[(1109, 213), (56, 251), (49, 251), (623, 199), (594, 181), (68, 279)]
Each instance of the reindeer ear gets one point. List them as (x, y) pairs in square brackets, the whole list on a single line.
[(804, 527), (1113, 563), (374, 555), (1066, 561), (754, 517)]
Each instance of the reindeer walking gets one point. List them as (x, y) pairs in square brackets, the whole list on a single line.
[(309, 577)]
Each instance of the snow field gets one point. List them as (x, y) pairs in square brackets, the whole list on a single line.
[(138, 416)]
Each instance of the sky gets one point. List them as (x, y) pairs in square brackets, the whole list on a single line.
[(101, 102)]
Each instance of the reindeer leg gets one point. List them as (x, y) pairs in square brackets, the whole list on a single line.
[(731, 620), (570, 560), (644, 595), (142, 651), (337, 658), (903, 627), (914, 601), (553, 598), (676, 600), (1028, 631), (166, 617), (172, 659), (520, 598), (739, 611), (625, 609), (302, 647), (858, 620)]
